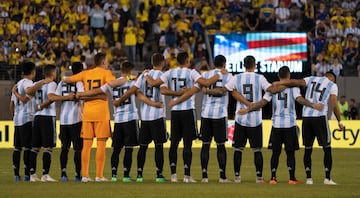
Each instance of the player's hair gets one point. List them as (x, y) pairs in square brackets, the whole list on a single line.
[(284, 71), (331, 73), (182, 57), (126, 66), (157, 59), (76, 67), (249, 62), (28, 67), (99, 58), (219, 61), (48, 69)]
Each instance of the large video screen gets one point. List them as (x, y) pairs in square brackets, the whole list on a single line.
[(271, 50)]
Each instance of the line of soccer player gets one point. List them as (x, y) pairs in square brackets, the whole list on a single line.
[(85, 116)]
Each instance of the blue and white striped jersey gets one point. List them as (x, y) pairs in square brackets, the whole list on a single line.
[(71, 111), (41, 96), (318, 90), (215, 107), (250, 85), (283, 107), (127, 110), (148, 112), (178, 78), (24, 112)]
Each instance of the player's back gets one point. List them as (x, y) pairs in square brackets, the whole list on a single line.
[(127, 110), (215, 106), (24, 112), (41, 96), (94, 110), (71, 111), (149, 112), (318, 90)]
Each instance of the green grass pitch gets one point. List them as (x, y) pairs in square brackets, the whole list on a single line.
[(346, 163)]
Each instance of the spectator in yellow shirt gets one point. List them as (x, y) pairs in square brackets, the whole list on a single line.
[(130, 40), (83, 38), (226, 25), (99, 39), (140, 39), (164, 18)]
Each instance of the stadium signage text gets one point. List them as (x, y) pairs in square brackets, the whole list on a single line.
[(267, 66), (340, 135)]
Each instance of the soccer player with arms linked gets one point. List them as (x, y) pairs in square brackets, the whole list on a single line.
[(22, 108), (284, 130), (213, 117), (183, 119), (153, 126), (96, 116), (44, 134), (249, 86), (70, 122), (315, 123)]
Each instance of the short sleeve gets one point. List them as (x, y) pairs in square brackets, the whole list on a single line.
[(80, 87), (28, 83), (195, 75), (105, 87), (13, 97), (231, 85), (138, 81), (334, 90), (77, 77), (52, 88), (165, 77), (267, 96), (307, 79), (109, 76), (59, 89), (264, 83), (296, 92)]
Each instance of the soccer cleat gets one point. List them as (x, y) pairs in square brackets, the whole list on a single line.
[(329, 182), (17, 178), (86, 179), (260, 180), (101, 179), (47, 178), (309, 181), (34, 178), (26, 178), (174, 178), (126, 179), (139, 179), (114, 179), (204, 180), (273, 181), (160, 179), (77, 179), (237, 179), (294, 182), (221, 180), (189, 179), (64, 178)]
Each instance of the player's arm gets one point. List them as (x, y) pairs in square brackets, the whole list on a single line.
[(276, 88), (12, 108), (43, 105), (187, 94), (147, 101), (126, 95), (153, 82), (54, 97), (253, 107), (22, 98), (117, 82), (31, 90), (219, 91), (303, 101), (103, 96), (240, 97), (292, 83), (168, 92), (207, 82), (335, 107)]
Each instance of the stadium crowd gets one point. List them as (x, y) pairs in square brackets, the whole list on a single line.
[(62, 32)]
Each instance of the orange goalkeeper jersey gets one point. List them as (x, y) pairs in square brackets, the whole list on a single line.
[(94, 110)]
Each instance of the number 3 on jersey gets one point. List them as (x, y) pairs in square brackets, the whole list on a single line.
[(93, 84)]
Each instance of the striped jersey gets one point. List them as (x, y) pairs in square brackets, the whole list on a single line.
[(283, 107), (41, 96), (178, 78), (318, 90), (127, 110), (250, 85), (215, 107), (148, 112), (71, 111), (24, 112)]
